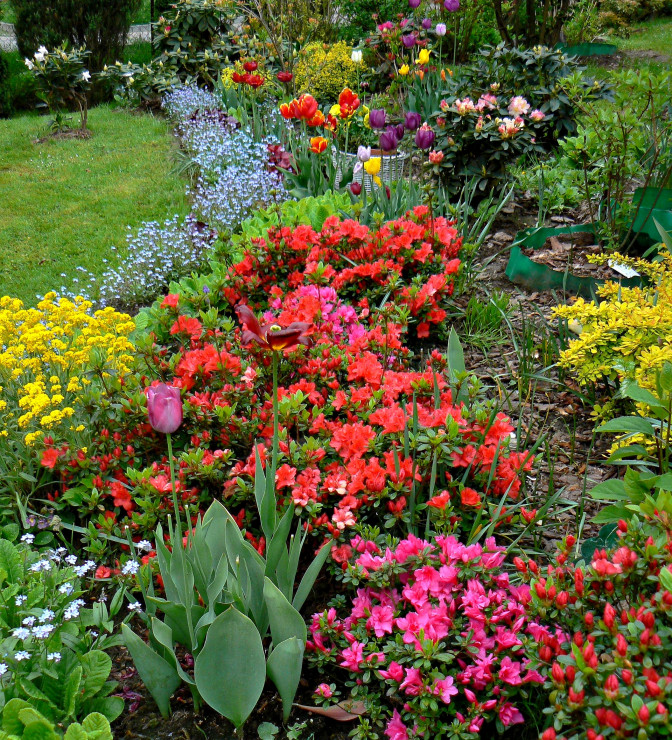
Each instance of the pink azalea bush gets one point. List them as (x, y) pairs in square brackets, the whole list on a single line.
[(434, 639)]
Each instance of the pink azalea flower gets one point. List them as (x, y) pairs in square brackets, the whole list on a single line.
[(394, 673), (510, 715), (412, 684), (445, 688), (509, 672), (396, 729), (381, 620), (352, 657)]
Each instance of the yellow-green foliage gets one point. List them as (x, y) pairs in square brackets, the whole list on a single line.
[(323, 71), (628, 335)]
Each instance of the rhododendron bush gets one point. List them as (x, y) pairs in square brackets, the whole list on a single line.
[(367, 434), (433, 641), (606, 644)]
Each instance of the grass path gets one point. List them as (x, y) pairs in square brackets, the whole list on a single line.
[(64, 203)]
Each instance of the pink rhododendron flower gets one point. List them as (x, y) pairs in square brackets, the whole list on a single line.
[(396, 729), (518, 106)]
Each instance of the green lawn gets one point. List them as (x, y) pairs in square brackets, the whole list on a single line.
[(655, 35), (64, 203)]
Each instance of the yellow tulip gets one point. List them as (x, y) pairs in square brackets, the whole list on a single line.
[(372, 168), (423, 56), (403, 71)]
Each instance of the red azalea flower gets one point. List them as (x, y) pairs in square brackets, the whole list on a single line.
[(271, 336)]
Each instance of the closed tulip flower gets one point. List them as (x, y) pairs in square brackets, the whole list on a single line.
[(164, 407), (424, 137), (377, 118), (412, 120), (388, 140), (408, 40), (440, 29)]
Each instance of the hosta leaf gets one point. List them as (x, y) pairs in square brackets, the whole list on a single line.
[(96, 667)]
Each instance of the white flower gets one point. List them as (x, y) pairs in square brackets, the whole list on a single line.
[(19, 600), (66, 588), (3, 669), (43, 631), (40, 565), (29, 621), (93, 634), (144, 545), (54, 657), (21, 633), (130, 568), (364, 153), (22, 655), (86, 75), (356, 56), (47, 616), (135, 606), (28, 538), (72, 612), (71, 560), (39, 56), (31, 67)]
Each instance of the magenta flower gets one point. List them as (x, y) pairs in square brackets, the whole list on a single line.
[(164, 407), (388, 140), (408, 40), (414, 3), (412, 120), (451, 5), (426, 23)]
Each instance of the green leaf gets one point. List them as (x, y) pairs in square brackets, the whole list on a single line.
[(605, 539), (267, 731), (98, 726), (634, 424), (666, 579), (284, 669), (40, 731), (157, 674), (610, 490), (285, 620), (96, 667), (76, 732), (109, 707), (10, 561), (230, 670), (71, 690), (10, 716), (310, 576)]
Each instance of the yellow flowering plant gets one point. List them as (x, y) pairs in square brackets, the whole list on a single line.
[(53, 358), (325, 71)]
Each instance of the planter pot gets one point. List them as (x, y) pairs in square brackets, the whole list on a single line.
[(535, 276), (589, 49), (391, 168)]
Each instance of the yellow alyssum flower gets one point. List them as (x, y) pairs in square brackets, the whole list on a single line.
[(372, 168)]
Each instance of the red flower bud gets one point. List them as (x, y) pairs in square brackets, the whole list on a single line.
[(557, 674), (621, 646), (644, 715), (609, 616), (548, 734), (626, 675)]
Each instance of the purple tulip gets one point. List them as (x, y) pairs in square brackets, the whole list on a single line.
[(441, 29), (399, 130), (451, 5), (412, 120), (426, 24), (408, 40), (377, 118), (424, 137), (164, 407), (388, 140), (414, 3)]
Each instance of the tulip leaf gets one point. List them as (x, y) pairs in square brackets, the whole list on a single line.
[(230, 670), (284, 669), (157, 674), (285, 620), (310, 576)]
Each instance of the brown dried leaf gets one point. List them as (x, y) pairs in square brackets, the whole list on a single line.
[(346, 711)]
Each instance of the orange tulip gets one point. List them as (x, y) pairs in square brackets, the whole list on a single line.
[(306, 107), (331, 123), (348, 102), (317, 119), (288, 110), (318, 144), (271, 336)]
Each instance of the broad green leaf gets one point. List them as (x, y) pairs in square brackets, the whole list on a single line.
[(10, 561), (71, 690), (40, 731), (666, 579), (310, 576), (610, 490), (96, 667), (10, 716), (108, 707), (284, 669), (230, 670), (634, 424), (285, 620), (98, 726), (76, 732), (157, 674)]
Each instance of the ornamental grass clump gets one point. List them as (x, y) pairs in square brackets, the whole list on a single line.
[(432, 643)]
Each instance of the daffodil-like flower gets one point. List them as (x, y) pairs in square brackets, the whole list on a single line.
[(272, 336), (372, 168)]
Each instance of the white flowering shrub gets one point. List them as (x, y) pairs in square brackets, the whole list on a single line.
[(63, 81), (51, 644)]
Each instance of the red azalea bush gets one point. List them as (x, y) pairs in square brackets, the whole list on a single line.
[(360, 428), (608, 662), (411, 263), (433, 641)]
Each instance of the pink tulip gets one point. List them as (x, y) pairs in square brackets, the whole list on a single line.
[(164, 407)]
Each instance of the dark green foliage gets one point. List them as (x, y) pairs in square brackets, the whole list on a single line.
[(361, 16), (100, 25)]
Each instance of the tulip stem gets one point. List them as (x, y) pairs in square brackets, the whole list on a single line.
[(173, 485), (276, 432)]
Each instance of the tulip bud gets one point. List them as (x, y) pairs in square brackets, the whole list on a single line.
[(164, 407), (356, 188)]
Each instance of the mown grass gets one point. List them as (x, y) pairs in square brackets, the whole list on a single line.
[(65, 202), (654, 35)]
